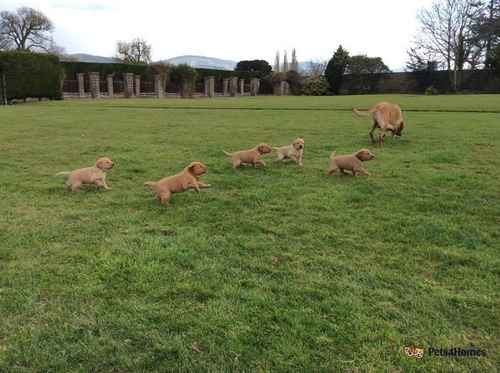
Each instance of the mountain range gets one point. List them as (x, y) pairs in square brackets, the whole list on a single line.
[(201, 62)]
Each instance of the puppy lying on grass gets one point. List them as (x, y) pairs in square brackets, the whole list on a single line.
[(251, 156), (95, 175), (184, 180), (294, 151), (353, 162)]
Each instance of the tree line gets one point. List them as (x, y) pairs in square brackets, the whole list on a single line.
[(453, 35)]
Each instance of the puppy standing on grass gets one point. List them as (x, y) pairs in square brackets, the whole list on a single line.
[(95, 175), (353, 162), (184, 180), (294, 151), (251, 156)]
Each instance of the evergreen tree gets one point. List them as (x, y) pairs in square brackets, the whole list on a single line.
[(335, 69), (277, 62), (285, 63), (295, 64)]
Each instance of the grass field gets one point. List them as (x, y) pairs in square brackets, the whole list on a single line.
[(275, 269)]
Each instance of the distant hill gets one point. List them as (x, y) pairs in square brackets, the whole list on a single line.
[(82, 57), (203, 62)]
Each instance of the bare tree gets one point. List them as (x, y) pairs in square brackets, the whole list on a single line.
[(137, 51), (316, 68), (25, 29), (447, 35)]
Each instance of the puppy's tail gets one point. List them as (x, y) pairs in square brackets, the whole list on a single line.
[(333, 155), (363, 113), (150, 184), (226, 153), (65, 174)]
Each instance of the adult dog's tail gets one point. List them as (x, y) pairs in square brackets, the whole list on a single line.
[(333, 155), (226, 153), (364, 113), (64, 173)]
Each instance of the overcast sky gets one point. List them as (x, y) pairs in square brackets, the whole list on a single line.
[(235, 30)]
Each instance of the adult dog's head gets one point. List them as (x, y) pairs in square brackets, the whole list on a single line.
[(196, 168), (104, 164), (298, 144), (399, 131)]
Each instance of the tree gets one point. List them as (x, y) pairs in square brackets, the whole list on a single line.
[(316, 68), (136, 52), (336, 68), (261, 67), (487, 27), (26, 29), (294, 66), (447, 34), (362, 64)]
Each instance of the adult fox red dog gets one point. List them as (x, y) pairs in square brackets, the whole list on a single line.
[(386, 117)]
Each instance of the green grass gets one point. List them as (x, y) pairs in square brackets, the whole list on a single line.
[(276, 269)]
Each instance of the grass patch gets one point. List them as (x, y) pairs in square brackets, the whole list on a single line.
[(278, 269)]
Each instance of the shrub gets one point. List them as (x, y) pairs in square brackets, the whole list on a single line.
[(31, 75), (430, 91), (315, 86), (185, 76)]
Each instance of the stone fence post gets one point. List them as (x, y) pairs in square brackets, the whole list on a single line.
[(128, 85), (158, 86), (95, 89), (211, 86), (233, 86), (109, 81), (254, 86), (225, 85), (242, 87), (80, 77), (137, 86)]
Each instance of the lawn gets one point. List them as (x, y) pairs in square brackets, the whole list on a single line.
[(275, 269)]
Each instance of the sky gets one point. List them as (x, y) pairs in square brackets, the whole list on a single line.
[(233, 29)]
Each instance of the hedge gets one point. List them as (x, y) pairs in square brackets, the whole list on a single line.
[(31, 75), (473, 81), (146, 71)]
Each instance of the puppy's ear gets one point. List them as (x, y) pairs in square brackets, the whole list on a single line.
[(191, 167), (359, 154)]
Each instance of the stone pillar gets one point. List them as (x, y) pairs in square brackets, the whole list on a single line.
[(137, 85), (211, 86), (254, 86), (233, 86), (205, 86), (225, 86), (80, 77), (109, 80), (95, 89), (128, 81), (242, 87), (158, 86)]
